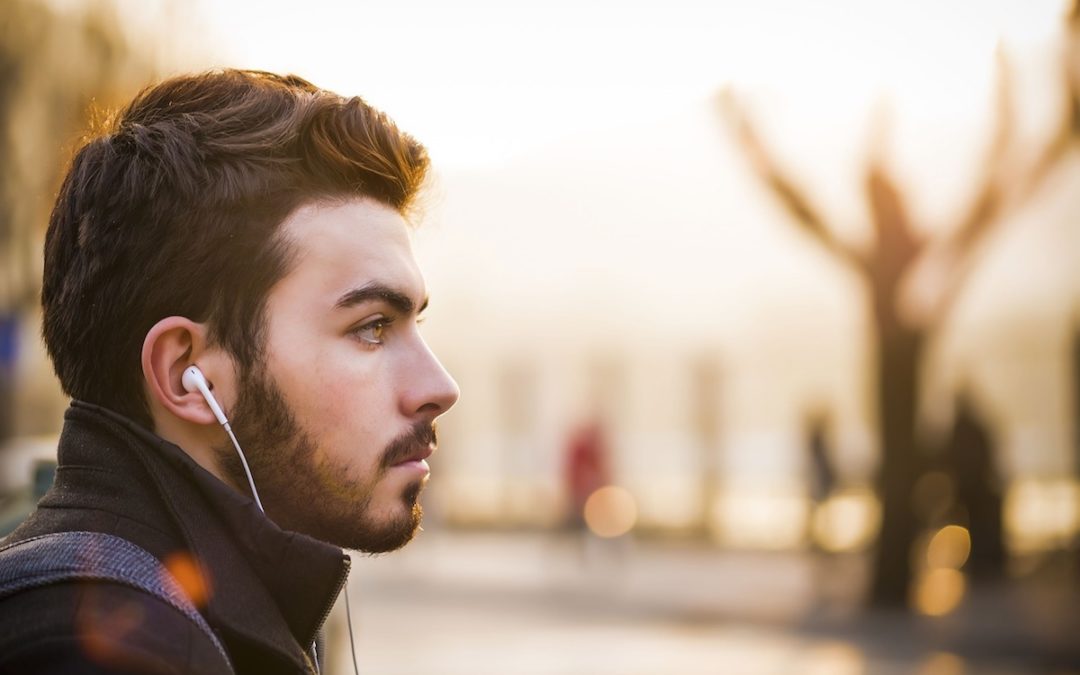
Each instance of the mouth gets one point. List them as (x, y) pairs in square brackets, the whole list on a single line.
[(411, 448), (417, 456), (416, 461)]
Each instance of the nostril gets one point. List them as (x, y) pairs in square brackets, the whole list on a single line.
[(430, 408)]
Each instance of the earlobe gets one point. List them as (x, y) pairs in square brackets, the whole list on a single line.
[(171, 345)]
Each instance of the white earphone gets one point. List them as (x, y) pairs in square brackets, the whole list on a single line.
[(194, 381)]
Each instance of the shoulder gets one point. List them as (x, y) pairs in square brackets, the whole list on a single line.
[(100, 627)]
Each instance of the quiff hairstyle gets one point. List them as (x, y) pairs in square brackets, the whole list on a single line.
[(175, 210)]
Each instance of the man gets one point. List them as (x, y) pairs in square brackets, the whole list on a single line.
[(253, 226)]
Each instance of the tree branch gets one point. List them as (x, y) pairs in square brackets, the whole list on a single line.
[(769, 171), (990, 198)]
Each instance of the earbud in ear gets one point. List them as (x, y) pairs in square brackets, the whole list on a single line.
[(194, 381)]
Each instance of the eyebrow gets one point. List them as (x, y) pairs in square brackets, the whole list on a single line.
[(375, 290)]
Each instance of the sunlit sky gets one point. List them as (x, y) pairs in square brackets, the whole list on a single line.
[(481, 81), (485, 84)]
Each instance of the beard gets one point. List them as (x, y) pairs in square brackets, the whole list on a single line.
[(314, 496)]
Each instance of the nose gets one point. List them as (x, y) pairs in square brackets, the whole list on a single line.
[(431, 390)]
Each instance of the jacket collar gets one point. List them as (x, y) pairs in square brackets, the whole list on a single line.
[(268, 586)]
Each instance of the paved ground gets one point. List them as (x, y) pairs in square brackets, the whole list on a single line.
[(480, 603)]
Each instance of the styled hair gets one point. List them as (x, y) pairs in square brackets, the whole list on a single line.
[(175, 209)]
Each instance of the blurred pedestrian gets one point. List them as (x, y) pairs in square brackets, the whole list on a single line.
[(585, 469)]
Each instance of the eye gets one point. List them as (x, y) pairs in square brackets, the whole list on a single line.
[(371, 333)]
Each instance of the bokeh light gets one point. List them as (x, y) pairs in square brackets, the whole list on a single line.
[(610, 511), (847, 521), (939, 591), (762, 517), (1042, 513), (949, 548), (189, 575)]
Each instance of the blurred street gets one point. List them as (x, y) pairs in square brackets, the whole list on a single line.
[(482, 602), (802, 279)]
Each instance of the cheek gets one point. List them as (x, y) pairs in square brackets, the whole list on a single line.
[(335, 393)]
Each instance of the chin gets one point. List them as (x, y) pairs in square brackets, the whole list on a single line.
[(393, 533), (391, 536)]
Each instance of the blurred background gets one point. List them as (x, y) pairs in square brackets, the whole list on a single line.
[(765, 317)]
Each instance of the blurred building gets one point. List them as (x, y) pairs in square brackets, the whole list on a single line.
[(639, 274)]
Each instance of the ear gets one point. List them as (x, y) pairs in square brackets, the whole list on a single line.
[(171, 345)]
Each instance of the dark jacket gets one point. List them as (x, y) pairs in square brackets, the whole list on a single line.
[(264, 591)]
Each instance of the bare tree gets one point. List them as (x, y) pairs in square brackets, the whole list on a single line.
[(902, 336)]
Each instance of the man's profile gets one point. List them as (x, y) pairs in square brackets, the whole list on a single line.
[(253, 226)]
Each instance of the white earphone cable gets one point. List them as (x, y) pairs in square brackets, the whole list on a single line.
[(194, 381), (247, 471), (344, 588), (348, 619)]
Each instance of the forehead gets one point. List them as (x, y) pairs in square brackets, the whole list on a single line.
[(346, 244)]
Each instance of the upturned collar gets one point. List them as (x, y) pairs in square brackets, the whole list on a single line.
[(267, 586)]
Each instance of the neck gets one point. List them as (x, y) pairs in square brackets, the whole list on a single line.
[(197, 442)]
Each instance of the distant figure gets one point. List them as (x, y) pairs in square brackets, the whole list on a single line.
[(586, 469), (822, 475), (970, 457)]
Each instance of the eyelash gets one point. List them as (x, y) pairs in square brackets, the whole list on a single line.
[(377, 325)]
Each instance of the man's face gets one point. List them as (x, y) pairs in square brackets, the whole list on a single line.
[(338, 418)]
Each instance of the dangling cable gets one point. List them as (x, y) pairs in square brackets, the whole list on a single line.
[(344, 588), (348, 618), (247, 471)]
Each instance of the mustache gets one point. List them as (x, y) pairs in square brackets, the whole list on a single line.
[(409, 444)]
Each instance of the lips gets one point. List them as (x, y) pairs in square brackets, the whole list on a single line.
[(415, 445), (419, 455)]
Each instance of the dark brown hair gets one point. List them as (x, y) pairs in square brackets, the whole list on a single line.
[(175, 210)]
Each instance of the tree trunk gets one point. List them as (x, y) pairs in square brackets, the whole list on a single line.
[(899, 355)]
